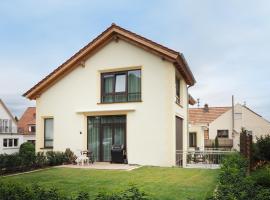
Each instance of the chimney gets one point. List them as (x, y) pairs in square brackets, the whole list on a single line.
[(206, 108)]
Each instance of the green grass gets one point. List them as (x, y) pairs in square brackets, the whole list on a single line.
[(160, 183)]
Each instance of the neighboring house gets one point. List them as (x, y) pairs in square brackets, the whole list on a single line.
[(121, 88), (27, 125), (10, 140), (210, 122)]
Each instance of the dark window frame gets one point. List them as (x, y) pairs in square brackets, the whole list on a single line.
[(177, 90), (47, 140), (114, 94), (5, 142), (192, 143), (220, 133)]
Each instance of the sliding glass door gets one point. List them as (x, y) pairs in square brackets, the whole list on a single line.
[(103, 132)]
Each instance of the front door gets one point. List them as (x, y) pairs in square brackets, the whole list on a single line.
[(103, 132)]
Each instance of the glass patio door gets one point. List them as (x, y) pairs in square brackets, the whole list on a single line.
[(103, 132)]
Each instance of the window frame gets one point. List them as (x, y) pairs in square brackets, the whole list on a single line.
[(177, 90), (223, 130), (194, 145), (8, 141), (114, 93), (44, 134)]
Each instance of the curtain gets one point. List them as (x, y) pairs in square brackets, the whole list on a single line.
[(48, 123), (107, 142), (119, 135), (134, 85), (108, 88), (93, 139)]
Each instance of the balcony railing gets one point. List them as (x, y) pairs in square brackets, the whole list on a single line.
[(8, 129), (200, 159), (222, 142)]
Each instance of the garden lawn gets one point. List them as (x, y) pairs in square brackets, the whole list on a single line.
[(159, 182)]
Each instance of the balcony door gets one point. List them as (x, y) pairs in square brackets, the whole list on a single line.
[(103, 132)]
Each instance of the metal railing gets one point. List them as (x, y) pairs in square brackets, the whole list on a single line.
[(8, 129), (200, 159)]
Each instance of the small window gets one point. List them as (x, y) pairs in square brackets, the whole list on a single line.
[(177, 90), (32, 129), (10, 142), (48, 132), (5, 143), (192, 139), (223, 133), (15, 142)]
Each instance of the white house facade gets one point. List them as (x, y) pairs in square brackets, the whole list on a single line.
[(209, 123), (119, 89)]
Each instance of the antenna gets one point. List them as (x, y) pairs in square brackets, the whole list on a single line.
[(198, 102)]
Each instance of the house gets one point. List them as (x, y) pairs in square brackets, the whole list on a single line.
[(10, 140), (205, 124), (27, 125), (120, 89)]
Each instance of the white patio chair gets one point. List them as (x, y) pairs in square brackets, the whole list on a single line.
[(82, 159)]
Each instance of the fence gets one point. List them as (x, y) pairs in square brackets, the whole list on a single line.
[(200, 159)]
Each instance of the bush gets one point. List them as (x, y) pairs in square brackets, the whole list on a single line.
[(261, 149), (41, 160), (262, 177), (12, 191), (55, 158), (27, 154), (233, 182), (70, 156)]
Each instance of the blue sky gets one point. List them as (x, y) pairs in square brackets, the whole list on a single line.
[(226, 43)]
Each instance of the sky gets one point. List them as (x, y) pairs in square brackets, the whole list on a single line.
[(225, 42)]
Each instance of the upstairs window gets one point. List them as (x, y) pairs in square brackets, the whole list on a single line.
[(223, 133), (177, 90), (121, 86), (32, 129)]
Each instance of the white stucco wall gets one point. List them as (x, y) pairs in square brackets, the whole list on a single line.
[(150, 123), (199, 130), (5, 115)]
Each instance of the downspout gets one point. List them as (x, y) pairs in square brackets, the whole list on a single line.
[(186, 148)]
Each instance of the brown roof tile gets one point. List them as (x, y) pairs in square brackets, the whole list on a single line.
[(200, 116), (28, 118)]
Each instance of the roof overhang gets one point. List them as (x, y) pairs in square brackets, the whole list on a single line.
[(114, 32)]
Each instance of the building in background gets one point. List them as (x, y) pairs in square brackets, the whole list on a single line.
[(10, 140), (27, 125), (207, 123)]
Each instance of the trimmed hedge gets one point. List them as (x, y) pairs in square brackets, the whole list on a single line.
[(27, 159), (15, 191)]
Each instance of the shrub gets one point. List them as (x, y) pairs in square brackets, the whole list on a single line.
[(262, 177), (55, 158), (27, 154), (70, 156), (261, 149), (41, 160)]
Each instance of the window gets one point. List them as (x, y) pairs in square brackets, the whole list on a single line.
[(15, 142), (121, 86), (222, 133), (192, 139), (177, 90), (32, 129), (11, 142), (48, 132), (5, 143)]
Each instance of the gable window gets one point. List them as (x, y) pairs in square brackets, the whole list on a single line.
[(177, 90), (122, 86), (32, 129), (223, 133), (48, 132), (192, 139)]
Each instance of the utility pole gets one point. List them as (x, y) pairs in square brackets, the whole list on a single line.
[(232, 115)]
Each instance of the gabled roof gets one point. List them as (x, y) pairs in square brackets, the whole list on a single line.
[(200, 116), (8, 112), (28, 118), (114, 32)]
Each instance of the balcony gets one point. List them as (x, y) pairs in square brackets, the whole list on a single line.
[(222, 143), (8, 129)]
